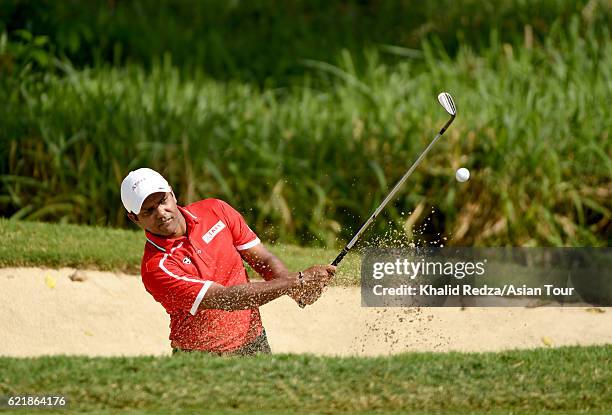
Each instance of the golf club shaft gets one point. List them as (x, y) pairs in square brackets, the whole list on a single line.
[(391, 194)]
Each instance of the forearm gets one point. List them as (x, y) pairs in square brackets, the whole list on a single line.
[(249, 295), (270, 268)]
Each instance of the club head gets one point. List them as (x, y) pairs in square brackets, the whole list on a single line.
[(447, 102)]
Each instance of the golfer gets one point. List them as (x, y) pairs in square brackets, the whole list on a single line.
[(192, 265)]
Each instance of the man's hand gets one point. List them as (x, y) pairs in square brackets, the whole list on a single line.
[(313, 283), (254, 294), (270, 267)]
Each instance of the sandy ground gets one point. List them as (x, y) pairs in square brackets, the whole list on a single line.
[(109, 314)]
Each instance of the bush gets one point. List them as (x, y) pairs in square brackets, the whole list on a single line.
[(309, 162)]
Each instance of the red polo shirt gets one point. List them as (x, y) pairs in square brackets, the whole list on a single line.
[(177, 273)]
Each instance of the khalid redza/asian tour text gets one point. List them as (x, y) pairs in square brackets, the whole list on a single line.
[(485, 290)]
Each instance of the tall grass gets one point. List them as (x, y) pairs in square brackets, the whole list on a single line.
[(265, 40), (307, 163)]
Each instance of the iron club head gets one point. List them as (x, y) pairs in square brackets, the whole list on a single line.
[(447, 102)]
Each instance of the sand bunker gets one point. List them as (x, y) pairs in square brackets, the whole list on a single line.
[(110, 314)]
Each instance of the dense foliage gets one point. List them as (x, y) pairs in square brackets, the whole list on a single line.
[(308, 157), (267, 40)]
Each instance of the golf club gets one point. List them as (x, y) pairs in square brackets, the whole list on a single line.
[(448, 104)]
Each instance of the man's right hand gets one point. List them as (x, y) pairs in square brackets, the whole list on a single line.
[(314, 281)]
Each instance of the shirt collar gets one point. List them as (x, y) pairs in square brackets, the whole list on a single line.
[(165, 244)]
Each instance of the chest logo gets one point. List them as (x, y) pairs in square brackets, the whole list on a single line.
[(186, 260), (212, 232)]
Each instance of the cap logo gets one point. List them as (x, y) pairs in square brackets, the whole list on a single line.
[(135, 185)]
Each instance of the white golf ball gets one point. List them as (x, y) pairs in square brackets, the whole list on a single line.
[(462, 174)]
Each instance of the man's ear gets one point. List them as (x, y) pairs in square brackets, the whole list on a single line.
[(173, 195), (133, 218)]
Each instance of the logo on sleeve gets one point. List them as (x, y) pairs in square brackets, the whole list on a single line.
[(186, 260), (212, 232)]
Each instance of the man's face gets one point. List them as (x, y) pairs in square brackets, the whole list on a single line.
[(158, 214)]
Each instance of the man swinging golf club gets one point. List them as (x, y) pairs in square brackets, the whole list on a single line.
[(192, 265)]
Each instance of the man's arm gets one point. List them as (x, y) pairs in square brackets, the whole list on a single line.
[(264, 262), (255, 294)]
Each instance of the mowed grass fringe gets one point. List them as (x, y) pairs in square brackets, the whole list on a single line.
[(308, 163), (50, 245), (563, 380)]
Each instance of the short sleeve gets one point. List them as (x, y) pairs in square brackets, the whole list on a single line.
[(175, 290), (242, 235)]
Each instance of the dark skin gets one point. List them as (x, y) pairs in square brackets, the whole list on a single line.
[(160, 215)]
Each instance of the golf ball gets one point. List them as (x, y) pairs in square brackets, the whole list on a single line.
[(462, 174)]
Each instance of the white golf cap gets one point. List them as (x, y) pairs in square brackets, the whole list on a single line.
[(140, 184)]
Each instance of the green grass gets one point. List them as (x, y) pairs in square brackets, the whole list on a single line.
[(266, 41), (308, 163), (564, 380), (38, 244)]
